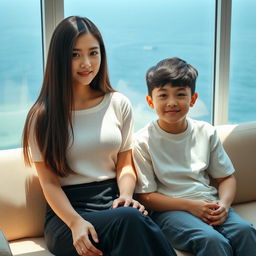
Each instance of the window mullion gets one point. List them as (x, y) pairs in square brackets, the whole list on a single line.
[(222, 61), (52, 13)]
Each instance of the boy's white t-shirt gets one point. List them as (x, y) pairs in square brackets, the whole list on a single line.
[(179, 165), (100, 133)]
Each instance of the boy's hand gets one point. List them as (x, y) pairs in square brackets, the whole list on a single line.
[(203, 209), (219, 215), (127, 201)]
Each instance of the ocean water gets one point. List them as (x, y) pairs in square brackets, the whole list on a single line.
[(137, 34)]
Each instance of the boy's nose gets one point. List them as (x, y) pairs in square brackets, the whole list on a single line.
[(172, 103)]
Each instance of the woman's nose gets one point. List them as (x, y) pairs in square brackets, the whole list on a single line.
[(85, 63)]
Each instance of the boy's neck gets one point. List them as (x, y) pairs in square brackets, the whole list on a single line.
[(174, 128)]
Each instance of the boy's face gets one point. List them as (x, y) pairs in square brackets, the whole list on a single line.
[(172, 105)]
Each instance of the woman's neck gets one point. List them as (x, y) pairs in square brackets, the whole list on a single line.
[(85, 97)]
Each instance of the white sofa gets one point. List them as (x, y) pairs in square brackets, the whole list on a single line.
[(22, 203)]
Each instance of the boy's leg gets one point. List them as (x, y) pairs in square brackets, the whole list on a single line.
[(240, 233), (188, 233), (122, 231)]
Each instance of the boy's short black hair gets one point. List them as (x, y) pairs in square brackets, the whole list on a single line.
[(175, 71)]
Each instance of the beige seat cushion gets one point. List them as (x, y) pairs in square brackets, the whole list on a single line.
[(29, 247)]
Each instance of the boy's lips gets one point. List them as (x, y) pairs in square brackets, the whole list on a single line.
[(172, 111)]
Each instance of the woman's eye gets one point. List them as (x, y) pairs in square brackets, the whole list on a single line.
[(94, 53), (76, 54)]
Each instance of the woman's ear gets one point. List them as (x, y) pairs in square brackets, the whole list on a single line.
[(150, 101), (193, 99)]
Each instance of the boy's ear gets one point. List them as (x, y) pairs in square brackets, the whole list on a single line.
[(193, 99), (150, 101)]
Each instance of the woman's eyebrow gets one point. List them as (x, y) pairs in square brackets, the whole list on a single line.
[(92, 48)]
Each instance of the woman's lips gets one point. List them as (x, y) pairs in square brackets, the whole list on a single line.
[(84, 73)]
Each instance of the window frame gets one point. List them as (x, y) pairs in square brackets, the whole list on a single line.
[(53, 12)]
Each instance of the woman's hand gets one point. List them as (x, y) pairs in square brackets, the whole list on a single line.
[(81, 229), (128, 201)]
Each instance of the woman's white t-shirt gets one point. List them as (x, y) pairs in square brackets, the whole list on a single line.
[(100, 133)]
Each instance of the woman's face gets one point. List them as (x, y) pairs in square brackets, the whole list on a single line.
[(86, 60)]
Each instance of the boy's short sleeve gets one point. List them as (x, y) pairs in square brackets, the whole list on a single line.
[(220, 164), (146, 182)]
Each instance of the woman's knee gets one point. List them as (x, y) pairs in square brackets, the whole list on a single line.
[(128, 214)]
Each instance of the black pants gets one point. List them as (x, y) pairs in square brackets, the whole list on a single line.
[(123, 231)]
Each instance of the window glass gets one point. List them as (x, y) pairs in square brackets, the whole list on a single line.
[(20, 66), (138, 34), (242, 106)]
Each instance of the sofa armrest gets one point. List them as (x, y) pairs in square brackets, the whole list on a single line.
[(4, 246)]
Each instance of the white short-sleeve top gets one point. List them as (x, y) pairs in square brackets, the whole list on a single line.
[(100, 133), (179, 165)]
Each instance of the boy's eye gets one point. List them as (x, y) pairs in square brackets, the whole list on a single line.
[(76, 54), (163, 95), (181, 94)]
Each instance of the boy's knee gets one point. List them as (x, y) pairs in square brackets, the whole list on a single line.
[(243, 230)]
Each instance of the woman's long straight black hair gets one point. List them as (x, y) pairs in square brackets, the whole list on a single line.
[(49, 120)]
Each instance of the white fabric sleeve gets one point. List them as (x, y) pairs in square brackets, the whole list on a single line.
[(127, 125), (33, 146), (220, 165), (146, 180)]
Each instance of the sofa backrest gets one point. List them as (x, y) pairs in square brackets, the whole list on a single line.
[(22, 205), (239, 142)]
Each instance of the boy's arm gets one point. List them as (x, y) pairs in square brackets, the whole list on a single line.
[(202, 209), (227, 190)]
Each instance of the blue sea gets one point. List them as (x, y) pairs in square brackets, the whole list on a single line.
[(137, 34)]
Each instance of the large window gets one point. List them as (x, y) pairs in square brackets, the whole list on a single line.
[(138, 34), (20, 66), (242, 94)]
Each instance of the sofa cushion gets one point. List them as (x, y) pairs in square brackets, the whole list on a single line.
[(22, 205), (239, 142), (29, 247)]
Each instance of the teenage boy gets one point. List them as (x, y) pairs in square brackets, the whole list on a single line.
[(175, 157)]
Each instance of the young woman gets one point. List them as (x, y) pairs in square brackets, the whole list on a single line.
[(79, 136)]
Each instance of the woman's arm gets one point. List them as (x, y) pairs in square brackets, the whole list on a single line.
[(60, 204), (126, 180), (126, 177)]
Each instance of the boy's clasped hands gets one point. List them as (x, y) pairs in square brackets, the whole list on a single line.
[(212, 213)]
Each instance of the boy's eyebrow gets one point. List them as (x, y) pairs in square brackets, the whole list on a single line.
[(181, 88), (92, 48), (161, 89)]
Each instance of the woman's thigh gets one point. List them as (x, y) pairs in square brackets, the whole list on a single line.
[(121, 231)]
